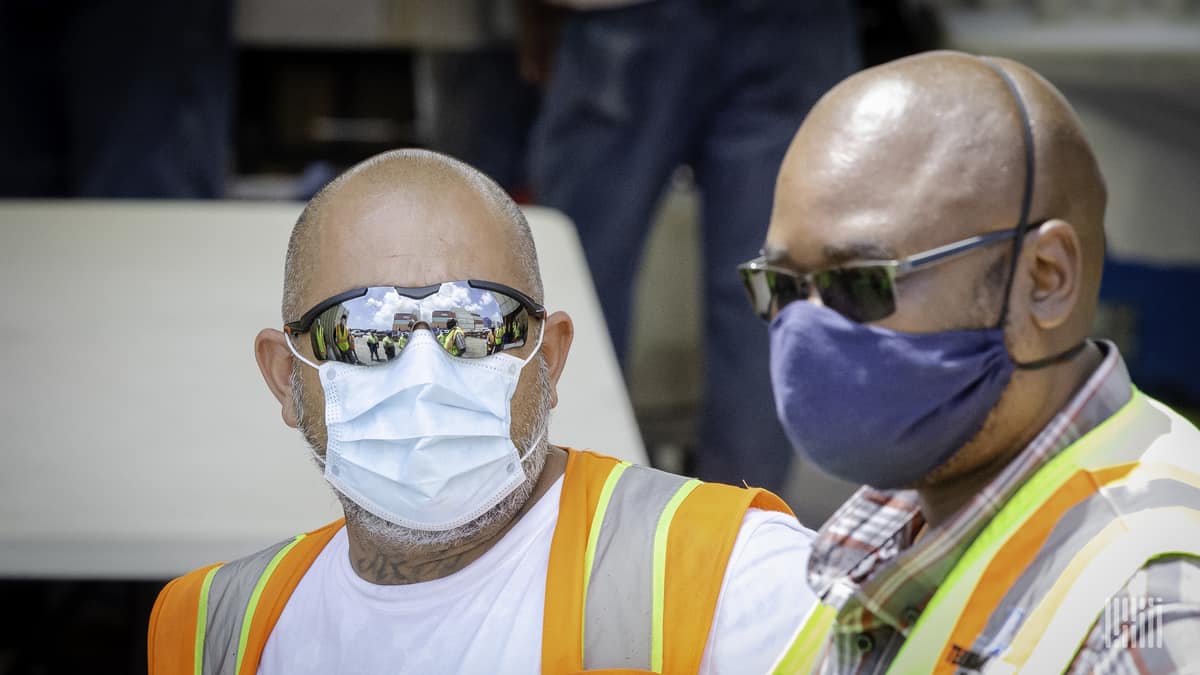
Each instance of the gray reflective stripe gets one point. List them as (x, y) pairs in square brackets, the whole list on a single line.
[(1074, 530), (620, 595), (227, 600)]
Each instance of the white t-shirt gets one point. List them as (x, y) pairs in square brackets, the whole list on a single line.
[(487, 617)]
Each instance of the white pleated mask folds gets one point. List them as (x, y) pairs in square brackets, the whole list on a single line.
[(424, 441)]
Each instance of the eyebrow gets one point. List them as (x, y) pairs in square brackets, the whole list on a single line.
[(839, 254), (832, 254), (777, 255)]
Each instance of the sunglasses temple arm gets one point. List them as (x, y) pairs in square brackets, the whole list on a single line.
[(951, 251), (297, 354)]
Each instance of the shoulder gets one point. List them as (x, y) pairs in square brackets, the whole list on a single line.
[(183, 592), (770, 536)]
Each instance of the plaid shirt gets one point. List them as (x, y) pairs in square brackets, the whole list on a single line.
[(865, 562)]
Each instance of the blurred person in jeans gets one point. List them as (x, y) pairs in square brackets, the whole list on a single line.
[(635, 88)]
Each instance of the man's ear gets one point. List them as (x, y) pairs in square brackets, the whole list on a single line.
[(556, 343), (1056, 273), (275, 361)]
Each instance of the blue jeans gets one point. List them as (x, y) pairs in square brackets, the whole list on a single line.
[(721, 85)]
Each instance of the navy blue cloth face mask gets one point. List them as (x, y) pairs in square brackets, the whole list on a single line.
[(872, 405)]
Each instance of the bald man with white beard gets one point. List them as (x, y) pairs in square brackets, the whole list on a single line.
[(470, 543)]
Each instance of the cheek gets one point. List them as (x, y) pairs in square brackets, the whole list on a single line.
[(929, 302), (523, 401)]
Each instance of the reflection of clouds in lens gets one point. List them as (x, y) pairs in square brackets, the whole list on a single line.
[(462, 297), (387, 307), (381, 305)]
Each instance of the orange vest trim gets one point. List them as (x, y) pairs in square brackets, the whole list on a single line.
[(698, 549), (171, 639), (562, 618), (699, 544), (279, 589), (171, 645)]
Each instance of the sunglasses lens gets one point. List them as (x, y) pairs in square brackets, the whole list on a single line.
[(862, 294), (770, 290), (372, 329), (755, 283)]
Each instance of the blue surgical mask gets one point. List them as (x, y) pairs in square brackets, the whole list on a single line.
[(875, 406)]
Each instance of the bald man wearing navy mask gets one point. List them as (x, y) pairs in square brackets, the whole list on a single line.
[(930, 275)]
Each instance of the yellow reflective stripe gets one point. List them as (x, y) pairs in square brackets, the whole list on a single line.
[(1099, 571), (248, 618), (927, 638), (801, 655), (202, 622), (589, 554), (1035, 626), (660, 571)]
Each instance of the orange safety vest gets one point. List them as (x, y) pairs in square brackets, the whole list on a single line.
[(662, 540)]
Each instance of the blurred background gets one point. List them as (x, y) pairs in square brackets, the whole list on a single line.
[(656, 126)]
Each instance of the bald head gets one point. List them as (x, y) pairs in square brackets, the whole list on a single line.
[(927, 150), (407, 218), (931, 150)]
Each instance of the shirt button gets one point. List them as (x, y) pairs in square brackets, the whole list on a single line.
[(863, 643)]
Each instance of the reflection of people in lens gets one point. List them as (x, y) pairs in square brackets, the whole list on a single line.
[(389, 347), (491, 343), (319, 339), (373, 345), (455, 341), (345, 344)]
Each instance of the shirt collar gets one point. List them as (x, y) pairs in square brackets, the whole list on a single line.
[(864, 560)]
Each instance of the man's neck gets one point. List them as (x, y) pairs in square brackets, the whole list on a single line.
[(940, 501), (386, 563)]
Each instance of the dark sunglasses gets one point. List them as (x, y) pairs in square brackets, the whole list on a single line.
[(861, 291), (370, 326)]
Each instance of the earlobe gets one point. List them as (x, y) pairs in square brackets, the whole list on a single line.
[(275, 363), (1057, 268), (556, 344)]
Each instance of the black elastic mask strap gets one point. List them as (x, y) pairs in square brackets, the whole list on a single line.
[(1027, 197)]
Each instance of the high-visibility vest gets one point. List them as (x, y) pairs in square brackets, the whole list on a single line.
[(1029, 589), (342, 337), (319, 332), (636, 565), (448, 341)]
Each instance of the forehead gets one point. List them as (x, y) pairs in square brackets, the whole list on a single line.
[(889, 205), (409, 237)]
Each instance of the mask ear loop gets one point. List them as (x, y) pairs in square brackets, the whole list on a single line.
[(291, 347), (1027, 196), (537, 346), (1023, 224)]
